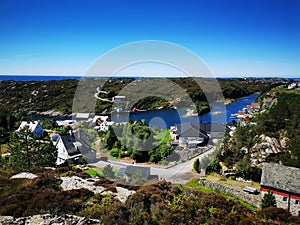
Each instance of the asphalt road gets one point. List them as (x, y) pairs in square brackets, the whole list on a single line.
[(180, 173)]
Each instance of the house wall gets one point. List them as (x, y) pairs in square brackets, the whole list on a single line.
[(283, 199), (61, 152)]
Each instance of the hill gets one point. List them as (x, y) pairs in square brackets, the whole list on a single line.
[(272, 136), (57, 95)]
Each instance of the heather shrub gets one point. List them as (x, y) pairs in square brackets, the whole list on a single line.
[(274, 213)]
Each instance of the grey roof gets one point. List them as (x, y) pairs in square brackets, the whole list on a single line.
[(213, 127), (69, 141), (130, 170), (281, 177), (191, 130), (82, 137)]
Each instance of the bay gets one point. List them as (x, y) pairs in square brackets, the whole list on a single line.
[(165, 118)]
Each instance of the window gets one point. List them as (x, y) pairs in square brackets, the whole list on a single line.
[(285, 199), (297, 202)]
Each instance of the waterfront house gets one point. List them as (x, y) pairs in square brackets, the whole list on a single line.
[(34, 126), (174, 133), (118, 98), (214, 130), (284, 182), (67, 149), (255, 106), (102, 123), (191, 135), (82, 116)]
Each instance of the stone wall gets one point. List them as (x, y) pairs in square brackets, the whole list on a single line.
[(282, 202), (255, 200)]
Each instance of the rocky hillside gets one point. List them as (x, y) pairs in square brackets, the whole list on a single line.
[(272, 136), (52, 196), (47, 219)]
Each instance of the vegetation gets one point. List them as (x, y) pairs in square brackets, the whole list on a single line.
[(58, 95), (280, 121), (138, 141), (156, 203), (196, 165), (26, 151), (268, 200)]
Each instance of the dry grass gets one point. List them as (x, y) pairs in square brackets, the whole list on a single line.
[(235, 184)]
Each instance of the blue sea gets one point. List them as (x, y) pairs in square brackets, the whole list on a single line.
[(36, 77), (168, 117), (63, 77)]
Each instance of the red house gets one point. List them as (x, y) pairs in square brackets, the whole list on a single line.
[(284, 182)]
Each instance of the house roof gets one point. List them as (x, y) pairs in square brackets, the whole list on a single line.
[(213, 127), (31, 124), (281, 177), (82, 115), (255, 105), (191, 130), (69, 141), (130, 170), (199, 129)]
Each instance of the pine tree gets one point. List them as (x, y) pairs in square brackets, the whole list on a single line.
[(196, 165), (26, 151), (110, 138), (268, 200), (108, 171)]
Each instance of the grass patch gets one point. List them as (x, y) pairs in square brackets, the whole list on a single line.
[(94, 172), (194, 183), (163, 137), (97, 171)]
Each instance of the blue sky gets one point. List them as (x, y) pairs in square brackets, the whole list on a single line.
[(234, 38)]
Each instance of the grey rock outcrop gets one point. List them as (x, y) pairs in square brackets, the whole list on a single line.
[(47, 219), (24, 175), (269, 146), (74, 182)]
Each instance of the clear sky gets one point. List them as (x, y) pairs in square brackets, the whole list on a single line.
[(234, 38)]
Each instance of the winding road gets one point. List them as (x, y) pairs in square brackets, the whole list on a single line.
[(180, 173), (103, 92)]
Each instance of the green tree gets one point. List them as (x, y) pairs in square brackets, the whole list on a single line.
[(268, 200), (108, 171), (110, 138), (26, 151), (196, 165), (137, 175), (214, 166)]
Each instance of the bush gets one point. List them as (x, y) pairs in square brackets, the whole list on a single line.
[(268, 200), (196, 165), (274, 213)]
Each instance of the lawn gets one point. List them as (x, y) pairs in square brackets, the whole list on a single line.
[(97, 171)]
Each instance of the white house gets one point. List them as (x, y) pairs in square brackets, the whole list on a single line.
[(191, 135), (102, 122), (67, 149), (34, 126), (118, 98)]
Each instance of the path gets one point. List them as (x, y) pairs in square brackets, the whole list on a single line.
[(102, 99)]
